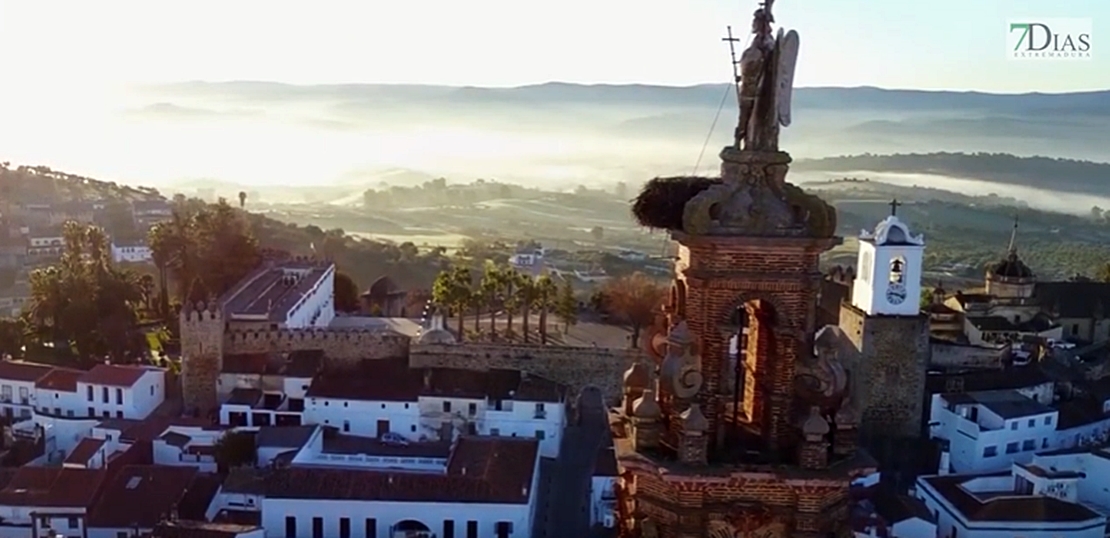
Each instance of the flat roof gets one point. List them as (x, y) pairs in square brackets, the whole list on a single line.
[(272, 291)]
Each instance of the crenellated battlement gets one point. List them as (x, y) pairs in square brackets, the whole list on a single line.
[(341, 345)]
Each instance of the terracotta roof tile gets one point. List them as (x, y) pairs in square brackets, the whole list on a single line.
[(114, 375), (141, 496), (60, 379), (84, 451), (497, 470), (23, 371), (53, 487)]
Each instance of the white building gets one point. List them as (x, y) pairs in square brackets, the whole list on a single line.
[(116, 391), (528, 261), (603, 487), (45, 244), (263, 389), (131, 253), (293, 294), (181, 441), (887, 255), (388, 397), (1027, 500), (17, 387), (990, 430), (485, 488)]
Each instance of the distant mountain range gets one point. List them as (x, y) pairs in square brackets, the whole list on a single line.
[(828, 121)]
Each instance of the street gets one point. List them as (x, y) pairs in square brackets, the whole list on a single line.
[(564, 509)]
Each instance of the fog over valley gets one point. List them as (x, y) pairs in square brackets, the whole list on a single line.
[(351, 137)]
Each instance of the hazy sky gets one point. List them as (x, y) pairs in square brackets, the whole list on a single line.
[(952, 44)]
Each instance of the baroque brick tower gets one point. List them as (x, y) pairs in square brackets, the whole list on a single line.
[(743, 429)]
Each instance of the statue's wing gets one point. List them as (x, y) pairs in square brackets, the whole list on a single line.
[(787, 46)]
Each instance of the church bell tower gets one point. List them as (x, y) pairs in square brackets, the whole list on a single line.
[(888, 331)]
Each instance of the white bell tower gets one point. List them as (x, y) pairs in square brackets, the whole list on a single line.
[(888, 271)]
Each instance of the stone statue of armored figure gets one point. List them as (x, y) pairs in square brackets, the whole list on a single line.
[(680, 371)]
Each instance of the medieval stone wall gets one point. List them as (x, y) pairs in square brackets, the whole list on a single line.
[(888, 371), (341, 347), (201, 358), (577, 367)]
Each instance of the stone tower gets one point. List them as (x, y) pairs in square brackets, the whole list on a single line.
[(202, 341), (888, 332)]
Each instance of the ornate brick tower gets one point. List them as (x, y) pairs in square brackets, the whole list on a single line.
[(749, 433)]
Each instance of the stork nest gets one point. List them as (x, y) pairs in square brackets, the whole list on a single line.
[(662, 201)]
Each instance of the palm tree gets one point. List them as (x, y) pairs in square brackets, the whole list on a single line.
[(526, 296), (451, 290), (490, 290), (546, 293), (242, 199), (510, 286)]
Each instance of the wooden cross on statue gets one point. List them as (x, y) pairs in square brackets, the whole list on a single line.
[(894, 205)]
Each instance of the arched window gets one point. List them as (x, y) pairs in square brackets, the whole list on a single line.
[(898, 270)]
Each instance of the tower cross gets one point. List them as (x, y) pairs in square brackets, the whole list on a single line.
[(732, 41), (894, 205)]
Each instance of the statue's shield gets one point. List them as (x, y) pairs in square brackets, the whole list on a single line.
[(787, 46)]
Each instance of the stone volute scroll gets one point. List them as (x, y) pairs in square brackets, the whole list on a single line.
[(822, 381), (681, 368)]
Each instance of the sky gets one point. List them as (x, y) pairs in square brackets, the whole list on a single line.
[(49, 48)]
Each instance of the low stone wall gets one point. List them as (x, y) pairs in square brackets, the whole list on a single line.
[(577, 367)]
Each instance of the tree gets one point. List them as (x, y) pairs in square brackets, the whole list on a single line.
[(82, 303), (235, 449), (346, 293), (510, 283), (451, 291), (12, 337), (1103, 274), (212, 243), (491, 286), (546, 293), (598, 233), (566, 308), (242, 199), (527, 295), (634, 299)]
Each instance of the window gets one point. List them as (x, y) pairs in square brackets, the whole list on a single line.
[(1044, 443), (344, 527), (1013, 425), (503, 529), (119, 414), (69, 412), (290, 527), (990, 452), (494, 432), (472, 409), (371, 528), (152, 390), (448, 528), (104, 394), (1032, 422), (1047, 421), (412, 428), (346, 425), (1029, 444), (540, 434), (317, 527), (1011, 448), (119, 396), (73, 523), (446, 407), (122, 534), (471, 529), (89, 393), (92, 412), (540, 411)]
